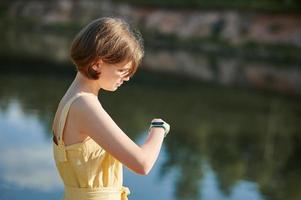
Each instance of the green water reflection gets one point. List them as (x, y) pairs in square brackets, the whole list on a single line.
[(242, 134)]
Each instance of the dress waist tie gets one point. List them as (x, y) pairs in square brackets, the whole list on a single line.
[(102, 193)]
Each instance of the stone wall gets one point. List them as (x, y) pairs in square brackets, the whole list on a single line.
[(233, 26)]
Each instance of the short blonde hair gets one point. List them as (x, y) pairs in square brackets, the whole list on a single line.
[(109, 39)]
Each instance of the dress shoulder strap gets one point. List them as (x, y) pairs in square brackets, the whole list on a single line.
[(61, 151), (63, 116)]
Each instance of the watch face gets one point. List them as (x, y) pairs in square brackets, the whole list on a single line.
[(157, 123)]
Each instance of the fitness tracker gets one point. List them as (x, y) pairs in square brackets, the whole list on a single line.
[(161, 124)]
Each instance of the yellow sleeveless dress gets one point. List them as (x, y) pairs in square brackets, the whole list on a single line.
[(87, 170)]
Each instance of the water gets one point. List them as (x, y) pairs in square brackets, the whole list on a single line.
[(225, 144)]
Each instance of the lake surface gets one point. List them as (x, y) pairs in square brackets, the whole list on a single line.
[(225, 143)]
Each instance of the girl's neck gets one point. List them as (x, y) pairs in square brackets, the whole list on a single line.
[(83, 84)]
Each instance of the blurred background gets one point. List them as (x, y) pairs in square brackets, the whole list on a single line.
[(226, 74)]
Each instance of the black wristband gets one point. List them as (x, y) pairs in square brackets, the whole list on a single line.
[(157, 123), (163, 125)]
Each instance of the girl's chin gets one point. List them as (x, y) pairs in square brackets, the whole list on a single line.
[(112, 89)]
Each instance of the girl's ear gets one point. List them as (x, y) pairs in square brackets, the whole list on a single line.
[(97, 65)]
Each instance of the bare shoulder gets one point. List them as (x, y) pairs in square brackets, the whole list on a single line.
[(86, 103), (87, 112)]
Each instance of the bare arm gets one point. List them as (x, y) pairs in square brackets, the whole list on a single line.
[(94, 121)]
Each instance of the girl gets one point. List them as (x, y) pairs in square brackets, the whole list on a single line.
[(89, 148)]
